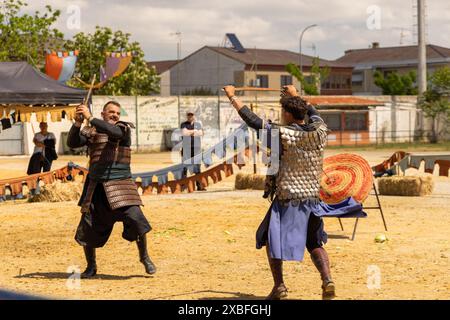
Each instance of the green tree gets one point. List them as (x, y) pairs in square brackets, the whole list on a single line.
[(199, 91), (310, 84), (137, 79), (440, 80), (25, 37), (435, 101), (395, 84)]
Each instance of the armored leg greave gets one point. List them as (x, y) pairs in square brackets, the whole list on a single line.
[(279, 290), (320, 259)]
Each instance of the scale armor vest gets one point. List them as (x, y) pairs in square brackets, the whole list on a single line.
[(298, 178), (104, 150)]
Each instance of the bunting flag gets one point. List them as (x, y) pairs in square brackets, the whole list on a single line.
[(116, 63), (60, 65), (23, 113), (220, 150), (387, 164), (15, 185)]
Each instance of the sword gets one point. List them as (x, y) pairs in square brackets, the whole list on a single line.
[(255, 89), (88, 96)]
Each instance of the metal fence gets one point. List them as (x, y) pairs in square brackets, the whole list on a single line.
[(365, 137)]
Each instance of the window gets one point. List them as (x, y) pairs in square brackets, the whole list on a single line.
[(356, 121), (309, 79), (340, 81), (263, 81), (333, 81), (326, 84), (285, 80), (333, 120)]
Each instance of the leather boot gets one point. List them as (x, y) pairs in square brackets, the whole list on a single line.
[(320, 259), (91, 269), (150, 268), (279, 290)]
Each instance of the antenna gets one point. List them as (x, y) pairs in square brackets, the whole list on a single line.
[(178, 34), (403, 34), (414, 29), (313, 48)]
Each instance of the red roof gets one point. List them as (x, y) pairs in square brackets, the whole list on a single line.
[(273, 57), (391, 54), (341, 101), (162, 66)]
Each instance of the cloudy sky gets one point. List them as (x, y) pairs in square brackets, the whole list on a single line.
[(269, 24)]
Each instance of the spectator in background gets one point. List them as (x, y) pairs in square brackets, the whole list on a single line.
[(192, 133), (44, 151)]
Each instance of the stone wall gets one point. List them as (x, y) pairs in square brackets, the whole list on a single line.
[(157, 117)]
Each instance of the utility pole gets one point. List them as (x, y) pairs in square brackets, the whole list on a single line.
[(422, 72), (254, 138), (178, 34), (219, 88)]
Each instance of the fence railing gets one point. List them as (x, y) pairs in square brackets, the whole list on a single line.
[(366, 137)]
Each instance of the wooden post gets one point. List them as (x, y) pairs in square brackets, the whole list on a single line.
[(254, 143)]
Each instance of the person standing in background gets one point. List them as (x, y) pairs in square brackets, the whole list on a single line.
[(192, 133), (44, 151)]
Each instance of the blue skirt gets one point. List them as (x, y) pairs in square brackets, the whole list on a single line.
[(285, 227)]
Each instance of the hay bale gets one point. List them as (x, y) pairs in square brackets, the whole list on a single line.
[(58, 191), (249, 181), (406, 186), (241, 181), (257, 181)]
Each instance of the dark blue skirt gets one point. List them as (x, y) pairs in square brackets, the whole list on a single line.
[(285, 227)]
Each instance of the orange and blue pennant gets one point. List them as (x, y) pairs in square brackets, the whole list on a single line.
[(60, 65)]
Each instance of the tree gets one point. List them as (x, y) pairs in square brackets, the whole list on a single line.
[(311, 84), (435, 101), (137, 79), (25, 37), (440, 80), (199, 91), (395, 84)]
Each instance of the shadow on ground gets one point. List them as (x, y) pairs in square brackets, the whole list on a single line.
[(65, 275), (233, 295)]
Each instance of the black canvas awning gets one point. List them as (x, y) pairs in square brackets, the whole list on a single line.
[(20, 83)]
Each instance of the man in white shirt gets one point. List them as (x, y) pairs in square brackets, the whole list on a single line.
[(44, 150)]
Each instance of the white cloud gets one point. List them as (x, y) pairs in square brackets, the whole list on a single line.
[(260, 23)]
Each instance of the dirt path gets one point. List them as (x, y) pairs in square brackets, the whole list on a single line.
[(203, 245)]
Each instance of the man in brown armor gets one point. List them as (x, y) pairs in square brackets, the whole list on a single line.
[(109, 194)]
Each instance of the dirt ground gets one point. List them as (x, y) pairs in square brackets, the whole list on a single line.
[(204, 246)]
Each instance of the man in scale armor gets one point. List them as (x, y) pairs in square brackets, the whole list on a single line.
[(294, 219)]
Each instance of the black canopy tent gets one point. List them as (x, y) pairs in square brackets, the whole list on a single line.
[(21, 84)]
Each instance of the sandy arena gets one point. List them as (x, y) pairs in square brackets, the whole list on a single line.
[(204, 246)]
